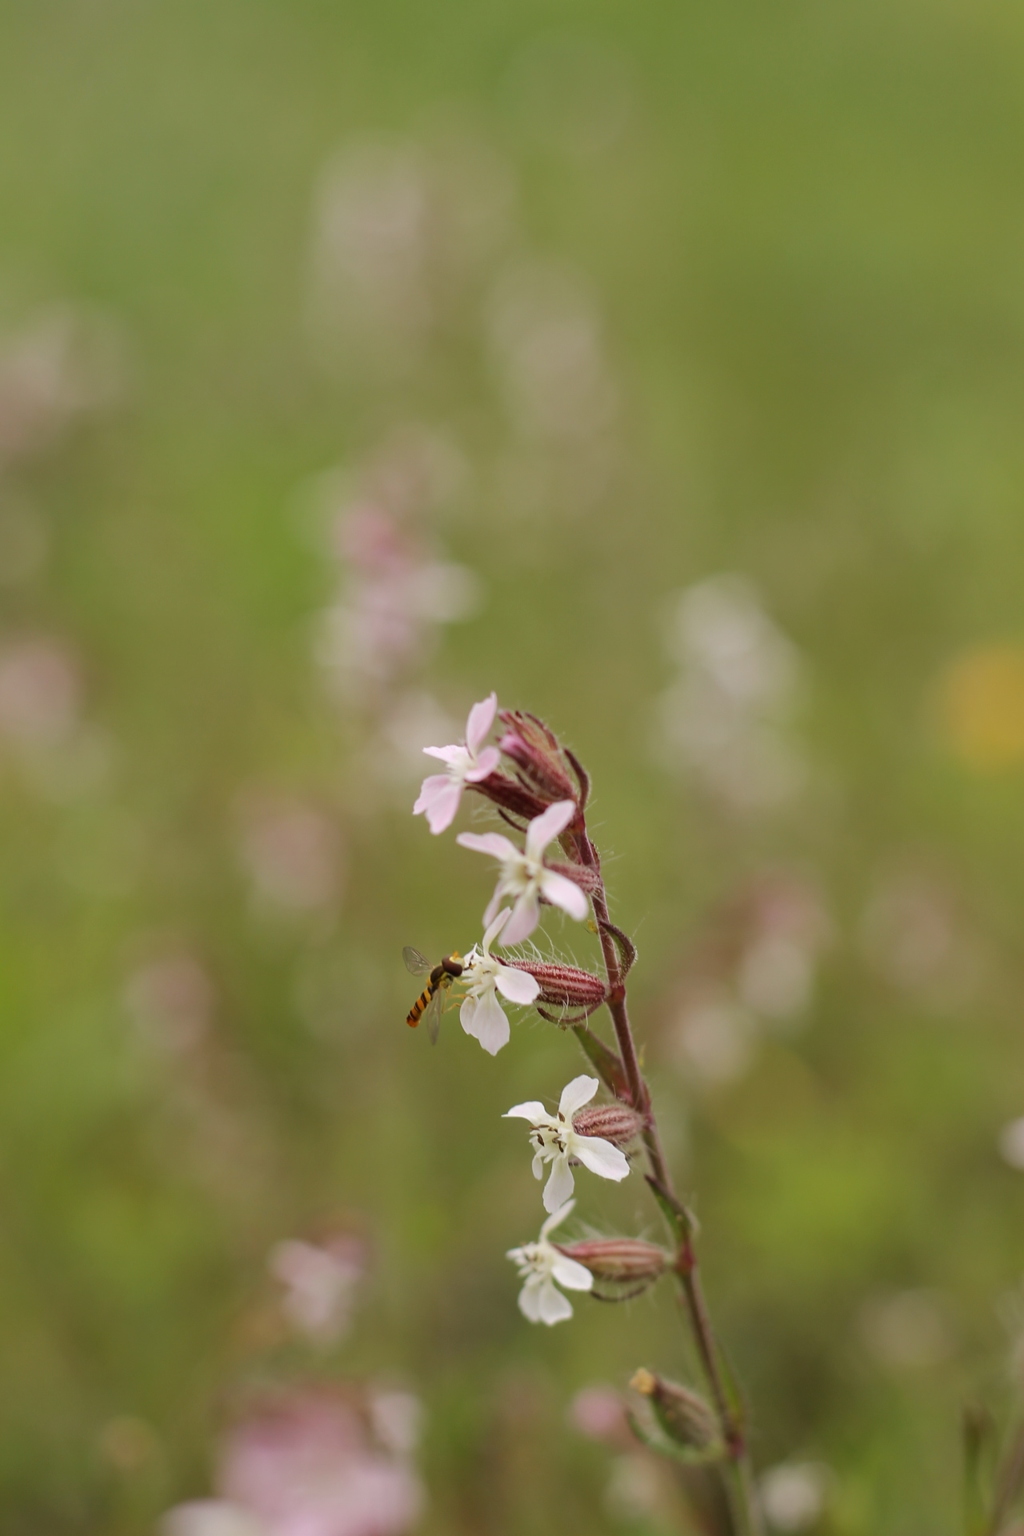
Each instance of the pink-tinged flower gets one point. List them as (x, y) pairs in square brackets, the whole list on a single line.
[(319, 1284), (485, 976), (305, 1464), (524, 875), (556, 1142), (540, 1265), (467, 763)]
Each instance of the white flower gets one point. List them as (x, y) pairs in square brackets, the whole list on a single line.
[(481, 1013), (540, 1265), (440, 793), (555, 1142), (525, 876)]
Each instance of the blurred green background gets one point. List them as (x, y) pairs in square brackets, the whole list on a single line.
[(583, 307)]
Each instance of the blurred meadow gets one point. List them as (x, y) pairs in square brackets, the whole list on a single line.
[(661, 368)]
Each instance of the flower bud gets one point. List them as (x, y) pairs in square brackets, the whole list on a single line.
[(626, 1261), (616, 1123), (509, 795), (536, 752), (684, 1416), (563, 986)]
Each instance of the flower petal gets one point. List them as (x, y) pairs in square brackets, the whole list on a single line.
[(467, 1015), (560, 1184), (553, 1307), (490, 1025), (486, 763), (441, 811), (524, 919), (488, 842), (492, 907), (518, 986), (433, 785), (481, 718), (577, 1093), (565, 893), (600, 1156), (575, 1277), (529, 1299), (493, 929), (446, 754), (544, 828), (533, 1110), (557, 1217), (538, 1165)]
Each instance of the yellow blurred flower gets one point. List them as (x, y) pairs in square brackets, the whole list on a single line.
[(981, 704)]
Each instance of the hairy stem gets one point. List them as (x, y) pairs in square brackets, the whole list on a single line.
[(742, 1498)]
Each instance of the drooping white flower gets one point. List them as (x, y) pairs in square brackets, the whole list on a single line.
[(540, 1265), (524, 875), (466, 763), (554, 1141), (485, 976)]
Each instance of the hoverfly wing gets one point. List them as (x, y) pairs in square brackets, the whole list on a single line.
[(416, 963), (432, 1014)]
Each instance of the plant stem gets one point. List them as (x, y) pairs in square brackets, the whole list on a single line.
[(743, 1502)]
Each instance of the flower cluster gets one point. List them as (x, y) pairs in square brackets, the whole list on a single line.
[(540, 791)]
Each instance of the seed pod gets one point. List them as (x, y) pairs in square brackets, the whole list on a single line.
[(563, 986), (627, 1261), (616, 1123), (684, 1416), (537, 754)]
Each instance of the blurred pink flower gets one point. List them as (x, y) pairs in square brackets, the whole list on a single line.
[(466, 763), (319, 1281), (598, 1412), (171, 999), (292, 851), (305, 1467), (40, 693)]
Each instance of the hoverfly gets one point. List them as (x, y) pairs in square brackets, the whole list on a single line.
[(430, 1002)]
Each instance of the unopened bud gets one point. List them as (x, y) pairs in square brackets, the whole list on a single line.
[(624, 1261), (684, 1416), (616, 1123), (510, 795), (537, 755), (563, 986)]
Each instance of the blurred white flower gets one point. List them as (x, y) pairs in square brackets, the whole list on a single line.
[(713, 1039), (540, 1266), (916, 939), (907, 1330), (548, 349), (793, 1494), (63, 364), (212, 1517), (484, 976), (524, 875), (397, 1420), (1011, 1143), (320, 1281), (729, 715), (554, 1141), (466, 763)]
